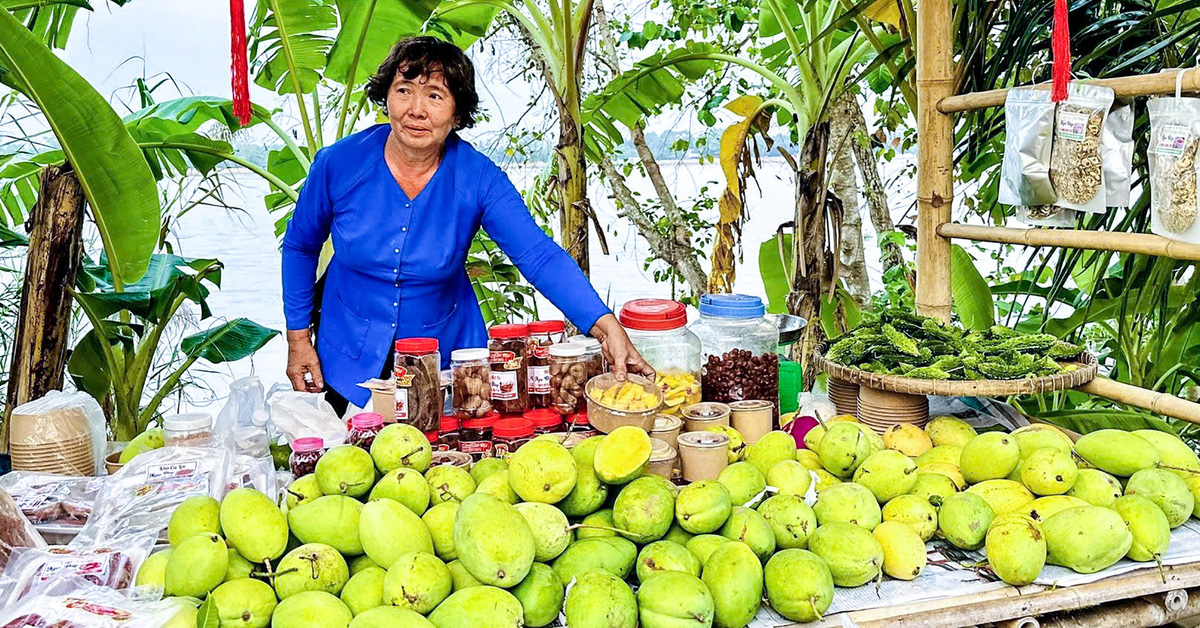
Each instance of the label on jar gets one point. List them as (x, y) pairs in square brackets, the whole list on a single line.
[(441, 447), (477, 448), (539, 380), (402, 404), (504, 385), (510, 360), (541, 351), (403, 377), (502, 451)]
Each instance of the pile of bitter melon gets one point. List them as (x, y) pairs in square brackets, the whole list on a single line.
[(902, 343)]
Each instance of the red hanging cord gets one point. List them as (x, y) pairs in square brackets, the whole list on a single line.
[(1060, 47), (240, 69)]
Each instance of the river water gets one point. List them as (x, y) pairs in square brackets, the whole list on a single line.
[(245, 242)]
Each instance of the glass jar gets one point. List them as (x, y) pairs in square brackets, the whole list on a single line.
[(542, 336), (739, 349), (363, 429), (448, 434), (472, 375), (593, 353), (193, 429), (418, 383), (510, 371), (510, 434), (568, 374), (475, 436), (545, 421), (305, 454), (657, 329)]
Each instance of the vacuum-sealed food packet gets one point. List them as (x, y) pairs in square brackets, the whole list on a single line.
[(1076, 162), (1174, 168), (1029, 137), (76, 603)]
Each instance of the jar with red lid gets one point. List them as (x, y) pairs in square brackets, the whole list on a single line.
[(542, 335), (363, 429), (475, 436), (508, 345), (658, 330), (509, 434), (578, 424), (418, 383), (448, 434), (545, 421), (305, 454)]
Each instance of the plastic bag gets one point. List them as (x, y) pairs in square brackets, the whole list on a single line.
[(58, 433), (1076, 163), (298, 414), (1029, 136), (15, 530), (255, 473), (142, 495), (50, 499), (1174, 142), (242, 423), (1046, 216), (76, 603), (1116, 151), (115, 566)]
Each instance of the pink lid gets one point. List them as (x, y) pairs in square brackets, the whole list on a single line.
[(366, 419), (308, 443)]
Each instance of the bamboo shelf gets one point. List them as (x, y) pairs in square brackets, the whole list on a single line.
[(1141, 243), (1125, 87)]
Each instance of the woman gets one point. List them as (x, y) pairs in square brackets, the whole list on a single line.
[(403, 201)]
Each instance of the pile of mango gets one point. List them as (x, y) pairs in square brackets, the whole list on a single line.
[(380, 538)]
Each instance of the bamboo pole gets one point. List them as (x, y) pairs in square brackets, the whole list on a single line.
[(1135, 613), (1125, 87), (1141, 243), (935, 150), (1159, 403)]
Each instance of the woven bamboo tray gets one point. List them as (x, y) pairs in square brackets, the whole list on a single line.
[(971, 388)]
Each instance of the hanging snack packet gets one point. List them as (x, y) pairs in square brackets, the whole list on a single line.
[(1029, 135), (1046, 216), (1076, 166), (1116, 150), (1174, 141)]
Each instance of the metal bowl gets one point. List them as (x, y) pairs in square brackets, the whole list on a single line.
[(789, 326)]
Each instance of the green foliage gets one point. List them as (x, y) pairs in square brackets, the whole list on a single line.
[(972, 298)]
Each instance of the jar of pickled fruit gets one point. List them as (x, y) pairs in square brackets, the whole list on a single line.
[(657, 329), (363, 429), (738, 348), (542, 336), (305, 454)]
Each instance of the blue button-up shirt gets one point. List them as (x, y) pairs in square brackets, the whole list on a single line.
[(398, 270)]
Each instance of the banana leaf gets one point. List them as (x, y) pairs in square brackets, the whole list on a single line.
[(228, 342), (972, 298)]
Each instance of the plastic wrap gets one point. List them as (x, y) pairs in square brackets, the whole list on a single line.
[(1116, 149), (15, 530), (74, 603), (50, 499), (1076, 161), (58, 433), (242, 423), (143, 494), (31, 570), (1046, 216)]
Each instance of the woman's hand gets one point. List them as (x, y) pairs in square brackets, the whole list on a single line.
[(618, 349), (304, 368)]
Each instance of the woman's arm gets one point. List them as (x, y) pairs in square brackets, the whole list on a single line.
[(306, 234), (553, 273)]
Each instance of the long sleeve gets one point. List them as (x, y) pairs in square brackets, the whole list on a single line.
[(306, 234), (543, 262)]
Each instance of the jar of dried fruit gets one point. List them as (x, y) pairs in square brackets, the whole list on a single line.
[(542, 335), (568, 374), (738, 345), (510, 370), (305, 454), (418, 383), (364, 427), (593, 352), (657, 329), (472, 387)]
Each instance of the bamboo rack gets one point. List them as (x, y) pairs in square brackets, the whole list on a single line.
[(935, 191)]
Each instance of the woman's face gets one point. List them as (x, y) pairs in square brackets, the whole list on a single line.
[(421, 110)]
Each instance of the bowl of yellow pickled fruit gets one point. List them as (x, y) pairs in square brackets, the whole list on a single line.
[(612, 404)]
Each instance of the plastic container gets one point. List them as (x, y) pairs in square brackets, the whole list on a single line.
[(703, 455), (508, 435), (658, 330), (701, 416), (791, 383), (542, 336), (593, 353), (607, 418), (666, 429), (471, 372), (452, 458), (305, 454), (545, 421), (568, 376), (662, 459), (752, 419), (448, 434), (739, 348), (508, 345), (418, 383), (194, 429), (475, 436), (363, 429)]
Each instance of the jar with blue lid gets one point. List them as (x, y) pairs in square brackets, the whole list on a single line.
[(738, 346)]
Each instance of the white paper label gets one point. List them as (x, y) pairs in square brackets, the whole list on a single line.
[(1072, 125), (173, 471), (539, 380), (1171, 139), (402, 404), (504, 385)]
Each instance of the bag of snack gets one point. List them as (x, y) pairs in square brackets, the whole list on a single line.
[(1174, 142), (1029, 136), (1076, 163)]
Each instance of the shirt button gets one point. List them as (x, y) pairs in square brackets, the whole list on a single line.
[(396, 303), (397, 250), (393, 324), (404, 228)]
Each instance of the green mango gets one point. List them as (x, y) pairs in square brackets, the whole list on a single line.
[(734, 577), (244, 603), (417, 581), (199, 514), (799, 585), (332, 520), (1117, 452), (196, 566), (673, 599), (612, 554), (1086, 539), (309, 609), (479, 607), (388, 530), (541, 596), (253, 525), (493, 541), (665, 556), (601, 600)]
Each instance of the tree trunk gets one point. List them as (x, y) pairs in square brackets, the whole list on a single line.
[(843, 183), (39, 357), (572, 185), (881, 218)]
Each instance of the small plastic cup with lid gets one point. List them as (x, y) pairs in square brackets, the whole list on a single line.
[(703, 454), (192, 429), (662, 459), (701, 416)]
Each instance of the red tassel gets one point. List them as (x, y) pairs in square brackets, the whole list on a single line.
[(240, 66), (1060, 46)]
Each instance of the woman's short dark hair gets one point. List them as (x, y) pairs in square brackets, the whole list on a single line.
[(420, 56)]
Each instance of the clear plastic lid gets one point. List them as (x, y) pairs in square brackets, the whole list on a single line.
[(703, 440), (187, 422)]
